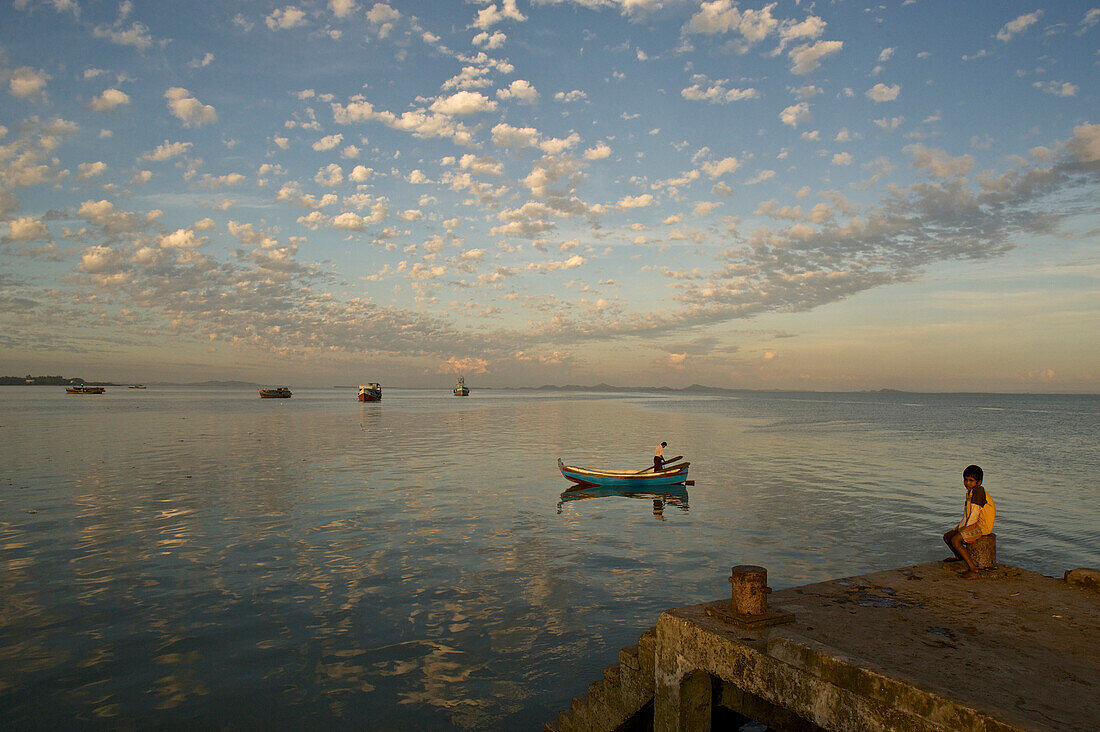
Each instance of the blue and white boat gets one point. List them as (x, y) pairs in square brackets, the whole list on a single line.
[(671, 474), (460, 388)]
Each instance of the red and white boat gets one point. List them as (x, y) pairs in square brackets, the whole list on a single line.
[(372, 392)]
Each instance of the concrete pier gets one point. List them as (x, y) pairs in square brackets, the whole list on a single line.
[(915, 648)]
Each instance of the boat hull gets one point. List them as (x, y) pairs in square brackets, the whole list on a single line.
[(84, 390), (275, 394), (367, 396), (624, 478), (462, 392)]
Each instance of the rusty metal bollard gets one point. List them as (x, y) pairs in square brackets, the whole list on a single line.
[(750, 589)]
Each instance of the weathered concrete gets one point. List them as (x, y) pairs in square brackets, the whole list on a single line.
[(916, 648), (983, 552)]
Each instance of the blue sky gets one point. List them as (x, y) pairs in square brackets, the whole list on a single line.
[(643, 192)]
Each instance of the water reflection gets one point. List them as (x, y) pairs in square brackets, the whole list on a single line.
[(673, 495)]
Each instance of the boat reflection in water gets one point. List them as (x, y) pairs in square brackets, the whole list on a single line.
[(662, 496)]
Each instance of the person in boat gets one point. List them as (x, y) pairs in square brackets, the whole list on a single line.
[(659, 456), (977, 521)]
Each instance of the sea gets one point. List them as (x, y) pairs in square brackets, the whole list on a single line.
[(185, 557)]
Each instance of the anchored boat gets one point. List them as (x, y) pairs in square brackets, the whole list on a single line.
[(279, 392), (372, 392), (460, 388), (81, 389), (670, 474)]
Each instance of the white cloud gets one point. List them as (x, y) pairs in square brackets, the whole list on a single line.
[(285, 18), (491, 15), (515, 138), (330, 175), (521, 91), (1085, 144), (883, 93), (328, 142), (938, 163), (343, 8), (137, 35), (91, 170), (715, 92), (167, 151), (629, 202), (490, 42), (807, 57), (27, 83), (599, 152), (463, 103), (1015, 27), (1057, 88), (108, 100), (795, 114), (721, 167), (26, 228), (842, 158), (181, 239), (189, 110)]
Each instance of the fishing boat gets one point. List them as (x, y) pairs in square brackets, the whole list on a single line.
[(670, 474), (279, 392), (460, 388), (81, 389), (372, 392), (136, 386)]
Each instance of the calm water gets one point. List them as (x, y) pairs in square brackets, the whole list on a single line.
[(183, 557)]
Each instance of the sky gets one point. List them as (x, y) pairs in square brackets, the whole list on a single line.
[(790, 195)]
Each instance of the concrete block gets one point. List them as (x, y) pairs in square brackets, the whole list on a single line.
[(628, 657), (1084, 578), (984, 551)]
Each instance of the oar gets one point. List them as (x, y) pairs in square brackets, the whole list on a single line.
[(669, 461)]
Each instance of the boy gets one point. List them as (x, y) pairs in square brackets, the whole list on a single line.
[(977, 521)]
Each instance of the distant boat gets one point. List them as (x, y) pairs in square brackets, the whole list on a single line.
[(279, 392), (80, 389), (372, 392), (137, 386), (460, 388), (669, 475)]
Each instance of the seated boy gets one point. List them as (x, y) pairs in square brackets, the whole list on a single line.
[(977, 521)]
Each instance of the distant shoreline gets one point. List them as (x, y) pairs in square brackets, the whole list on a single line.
[(603, 388)]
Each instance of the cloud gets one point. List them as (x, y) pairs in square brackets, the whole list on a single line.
[(27, 83), (91, 170), (723, 16), (285, 18), (721, 167), (715, 92), (628, 202), (343, 8), (796, 114), (1015, 27), (328, 142), (181, 239), (462, 366), (167, 151), (521, 91), (26, 228), (842, 158), (463, 103), (137, 35), (1056, 88), (807, 57), (883, 93), (490, 42), (108, 100), (938, 163), (1085, 144), (598, 152), (189, 110)]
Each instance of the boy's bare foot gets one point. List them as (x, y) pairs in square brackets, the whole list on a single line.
[(969, 574)]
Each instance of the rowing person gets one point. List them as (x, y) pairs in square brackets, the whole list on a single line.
[(659, 456)]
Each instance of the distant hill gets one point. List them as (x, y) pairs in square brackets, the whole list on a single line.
[(233, 384)]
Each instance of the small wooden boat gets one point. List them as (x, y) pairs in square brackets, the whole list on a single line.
[(460, 388), (372, 392), (80, 389), (136, 386), (670, 474), (279, 392)]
